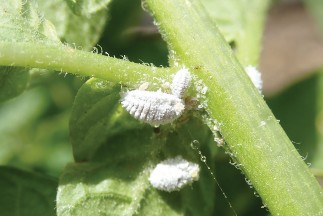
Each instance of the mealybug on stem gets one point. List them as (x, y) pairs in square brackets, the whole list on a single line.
[(181, 82), (255, 77)]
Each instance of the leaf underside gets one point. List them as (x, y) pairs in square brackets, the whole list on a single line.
[(114, 154), (24, 193), (21, 21)]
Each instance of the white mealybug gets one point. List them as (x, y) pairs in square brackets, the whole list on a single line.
[(255, 77), (173, 174), (154, 108), (158, 108), (181, 82)]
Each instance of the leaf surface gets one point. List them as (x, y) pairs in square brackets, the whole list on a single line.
[(83, 30), (114, 155), (13, 82), (24, 193), (299, 109), (241, 23), (21, 22), (87, 7)]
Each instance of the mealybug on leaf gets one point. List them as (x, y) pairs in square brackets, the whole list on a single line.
[(173, 174), (154, 108)]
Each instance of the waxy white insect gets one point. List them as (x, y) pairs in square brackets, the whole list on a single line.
[(173, 174), (181, 82), (156, 107), (255, 77)]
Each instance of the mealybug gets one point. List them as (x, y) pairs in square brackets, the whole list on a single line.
[(181, 82), (173, 174), (157, 108), (255, 77), (154, 108)]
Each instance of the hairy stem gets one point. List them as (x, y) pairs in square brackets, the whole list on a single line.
[(254, 137), (66, 59)]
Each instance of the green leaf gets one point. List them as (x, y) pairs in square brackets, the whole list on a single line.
[(23, 193), (230, 26), (97, 116), (83, 31), (87, 7), (122, 188), (299, 110), (13, 82), (115, 153), (97, 119), (15, 115), (34, 130), (241, 23), (21, 22)]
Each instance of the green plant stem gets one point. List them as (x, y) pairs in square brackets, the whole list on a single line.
[(253, 135), (65, 59)]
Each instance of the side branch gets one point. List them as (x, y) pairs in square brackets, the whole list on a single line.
[(66, 59)]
